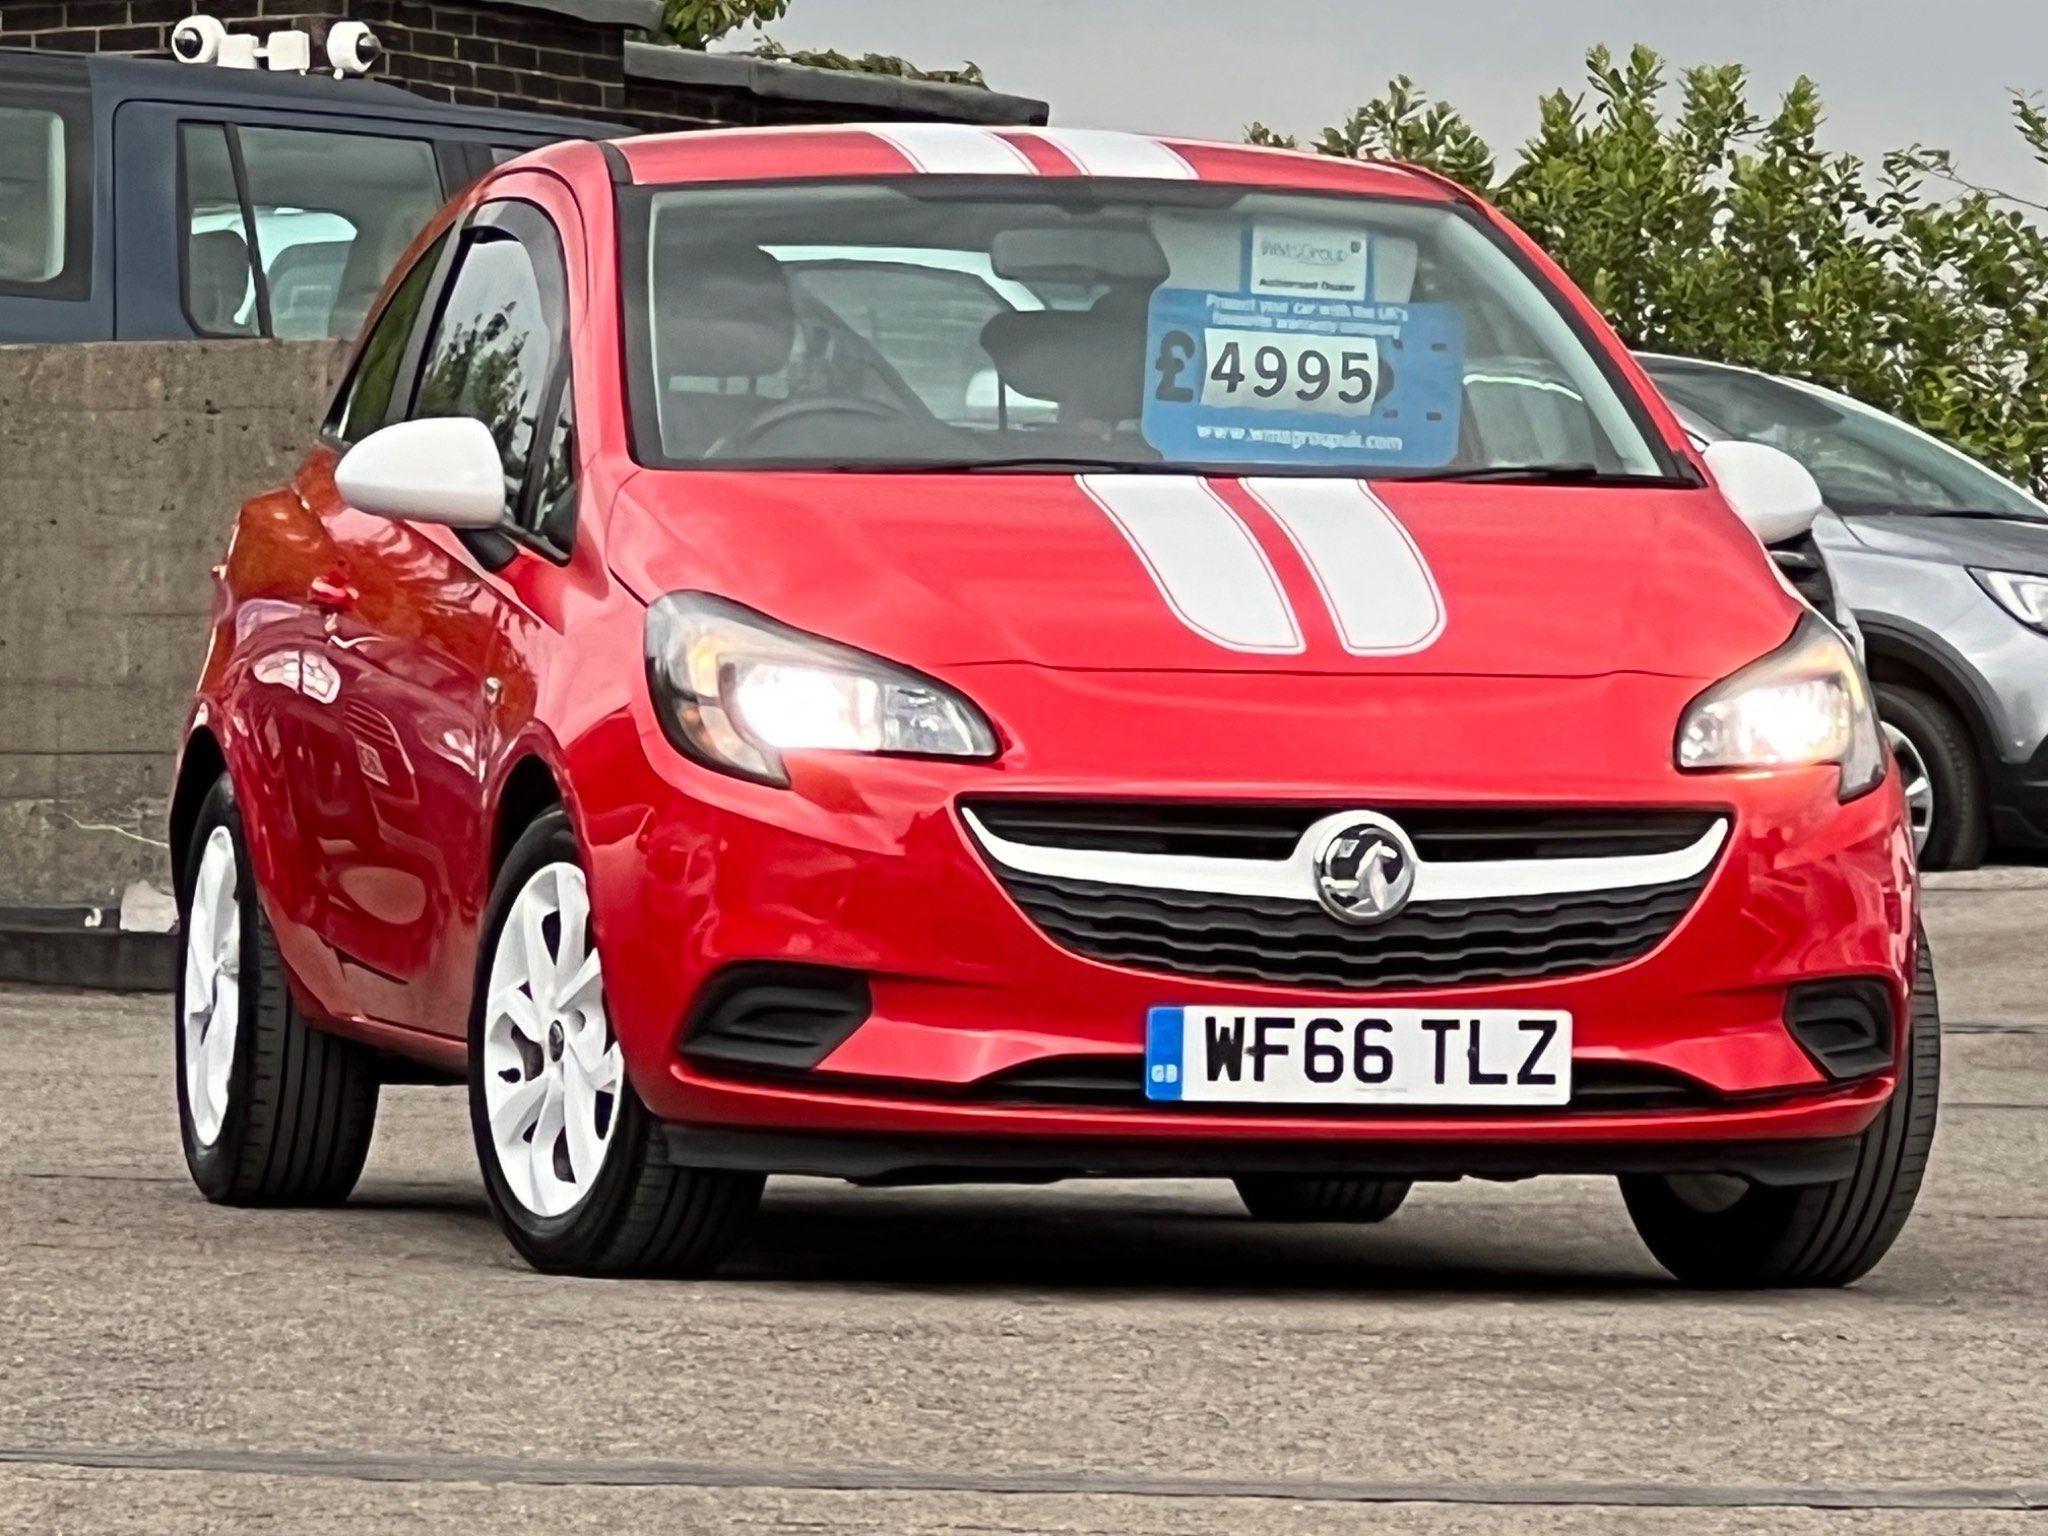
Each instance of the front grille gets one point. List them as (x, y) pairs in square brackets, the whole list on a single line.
[(1448, 943), (1234, 831), (1117, 1082)]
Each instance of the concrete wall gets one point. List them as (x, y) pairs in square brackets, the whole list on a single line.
[(121, 467)]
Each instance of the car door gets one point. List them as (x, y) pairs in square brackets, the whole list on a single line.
[(412, 631)]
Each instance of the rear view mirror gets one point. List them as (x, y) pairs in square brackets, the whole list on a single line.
[(1769, 489), (442, 470), (1070, 255)]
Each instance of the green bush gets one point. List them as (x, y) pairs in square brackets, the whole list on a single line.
[(1718, 232)]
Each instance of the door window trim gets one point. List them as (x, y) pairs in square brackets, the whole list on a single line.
[(535, 231)]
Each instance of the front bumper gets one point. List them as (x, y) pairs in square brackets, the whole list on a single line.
[(865, 866), (2018, 793)]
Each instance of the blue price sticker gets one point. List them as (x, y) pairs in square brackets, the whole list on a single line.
[(1257, 378)]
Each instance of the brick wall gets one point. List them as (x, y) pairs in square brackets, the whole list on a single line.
[(477, 54), (542, 55)]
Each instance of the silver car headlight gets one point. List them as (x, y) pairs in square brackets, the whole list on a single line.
[(736, 690), (2024, 597), (1805, 703)]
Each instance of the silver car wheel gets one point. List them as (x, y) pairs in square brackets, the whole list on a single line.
[(213, 986), (553, 1074), (1919, 785)]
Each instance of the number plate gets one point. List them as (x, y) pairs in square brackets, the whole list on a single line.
[(1485, 1056)]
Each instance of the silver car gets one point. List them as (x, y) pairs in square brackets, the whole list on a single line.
[(1945, 566)]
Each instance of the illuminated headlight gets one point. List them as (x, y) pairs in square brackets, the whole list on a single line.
[(736, 690), (2024, 597), (1805, 703)]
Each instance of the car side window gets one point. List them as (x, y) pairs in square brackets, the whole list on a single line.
[(366, 399), (497, 354)]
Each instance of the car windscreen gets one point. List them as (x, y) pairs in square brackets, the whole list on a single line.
[(930, 324), (1863, 460), (34, 188)]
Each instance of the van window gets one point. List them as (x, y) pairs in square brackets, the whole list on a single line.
[(33, 186), (220, 297), (330, 215)]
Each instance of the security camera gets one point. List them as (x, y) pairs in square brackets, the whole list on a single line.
[(288, 53), (197, 40), (352, 48)]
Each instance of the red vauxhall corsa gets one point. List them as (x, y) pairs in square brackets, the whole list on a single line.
[(931, 653)]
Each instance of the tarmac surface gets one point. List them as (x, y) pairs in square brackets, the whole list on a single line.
[(1113, 1358)]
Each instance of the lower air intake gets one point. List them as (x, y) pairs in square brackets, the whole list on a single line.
[(777, 1017)]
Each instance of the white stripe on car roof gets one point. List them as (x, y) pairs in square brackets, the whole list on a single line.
[(956, 149), (1103, 152)]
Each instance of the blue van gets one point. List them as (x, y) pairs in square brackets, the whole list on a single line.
[(143, 200)]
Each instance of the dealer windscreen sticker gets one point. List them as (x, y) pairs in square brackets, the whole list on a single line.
[(1302, 261), (1266, 379)]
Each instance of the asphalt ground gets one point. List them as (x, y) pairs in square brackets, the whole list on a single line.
[(1126, 1358)]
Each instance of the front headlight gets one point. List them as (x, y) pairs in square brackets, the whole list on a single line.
[(2024, 597), (735, 690), (1805, 703)]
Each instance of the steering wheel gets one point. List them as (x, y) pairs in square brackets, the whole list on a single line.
[(741, 438)]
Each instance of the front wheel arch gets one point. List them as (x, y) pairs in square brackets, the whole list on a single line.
[(200, 767)]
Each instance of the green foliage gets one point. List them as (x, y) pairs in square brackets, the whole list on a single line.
[(1719, 232), (698, 23), (870, 64), (694, 23)]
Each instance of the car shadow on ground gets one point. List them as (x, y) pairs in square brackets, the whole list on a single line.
[(1048, 1241), (1076, 1240)]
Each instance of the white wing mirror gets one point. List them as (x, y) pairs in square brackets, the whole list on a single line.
[(444, 469), (1768, 489)]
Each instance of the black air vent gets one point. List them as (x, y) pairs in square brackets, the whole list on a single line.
[(1846, 1026), (772, 1016)]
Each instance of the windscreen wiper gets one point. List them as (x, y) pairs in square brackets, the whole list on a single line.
[(1550, 474)]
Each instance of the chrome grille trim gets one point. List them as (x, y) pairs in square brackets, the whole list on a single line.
[(1293, 878)]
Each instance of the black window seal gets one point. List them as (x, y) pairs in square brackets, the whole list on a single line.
[(239, 168)]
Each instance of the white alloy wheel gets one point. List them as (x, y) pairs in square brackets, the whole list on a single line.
[(1917, 782), (213, 986), (553, 1076)]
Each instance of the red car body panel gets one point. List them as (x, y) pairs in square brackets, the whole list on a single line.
[(372, 689)]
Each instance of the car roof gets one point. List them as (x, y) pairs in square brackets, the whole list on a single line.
[(118, 77), (903, 149)]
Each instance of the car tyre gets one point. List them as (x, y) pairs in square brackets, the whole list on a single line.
[(1961, 826), (575, 1166), (271, 1111), (1285, 1197), (1815, 1234)]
